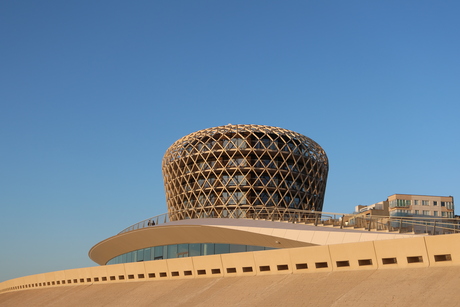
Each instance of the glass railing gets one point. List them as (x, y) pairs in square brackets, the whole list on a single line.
[(401, 224)]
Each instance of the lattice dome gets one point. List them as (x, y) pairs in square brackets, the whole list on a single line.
[(250, 171)]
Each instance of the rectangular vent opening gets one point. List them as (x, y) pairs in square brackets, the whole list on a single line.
[(175, 274), (75, 281), (201, 272), (151, 275), (121, 277), (130, 276), (264, 268), (414, 259), (282, 267), (187, 273), (82, 280), (247, 269), (389, 261), (112, 277), (140, 276), (163, 274), (69, 281), (215, 271), (321, 265), (231, 270), (363, 262), (343, 263), (88, 279), (96, 278), (301, 266), (104, 278), (446, 257)]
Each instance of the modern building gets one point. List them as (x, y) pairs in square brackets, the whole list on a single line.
[(235, 188), (247, 200), (421, 205)]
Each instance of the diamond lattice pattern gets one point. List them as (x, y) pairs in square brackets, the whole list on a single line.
[(249, 171)]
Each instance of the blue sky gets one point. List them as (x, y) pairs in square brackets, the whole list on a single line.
[(92, 93)]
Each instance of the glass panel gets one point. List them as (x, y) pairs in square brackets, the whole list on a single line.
[(172, 251), (182, 250), (194, 249), (252, 248), (158, 253), (222, 248), (237, 248), (140, 255), (207, 249), (147, 254)]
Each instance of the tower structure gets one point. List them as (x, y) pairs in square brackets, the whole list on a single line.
[(249, 171)]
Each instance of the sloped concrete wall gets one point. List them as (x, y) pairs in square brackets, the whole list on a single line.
[(431, 286)]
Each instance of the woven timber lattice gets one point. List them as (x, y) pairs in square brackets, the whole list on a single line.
[(249, 171)]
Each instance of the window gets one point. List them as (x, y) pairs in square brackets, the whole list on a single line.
[(435, 203), (444, 214), (425, 202), (435, 213), (443, 204), (416, 212), (415, 202), (426, 212)]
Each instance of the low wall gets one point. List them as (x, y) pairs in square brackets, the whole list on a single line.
[(418, 252)]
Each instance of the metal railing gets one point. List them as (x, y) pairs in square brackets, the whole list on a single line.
[(427, 225)]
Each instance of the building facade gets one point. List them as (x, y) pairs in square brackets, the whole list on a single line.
[(421, 206)]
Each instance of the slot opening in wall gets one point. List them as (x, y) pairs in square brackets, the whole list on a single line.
[(201, 272), (321, 265), (231, 270), (264, 268), (247, 269), (112, 277), (446, 257), (130, 276), (363, 262), (175, 273), (282, 267), (187, 273), (414, 259), (88, 279), (58, 282), (82, 280), (121, 277), (151, 275), (75, 281), (140, 276), (389, 261), (96, 278), (215, 271), (163, 274), (301, 266), (343, 263), (104, 278)]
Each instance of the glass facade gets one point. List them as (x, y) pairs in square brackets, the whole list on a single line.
[(183, 250)]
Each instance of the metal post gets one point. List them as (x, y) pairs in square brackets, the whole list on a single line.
[(400, 226), (341, 222), (434, 228)]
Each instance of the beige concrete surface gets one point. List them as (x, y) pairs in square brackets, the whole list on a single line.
[(433, 286)]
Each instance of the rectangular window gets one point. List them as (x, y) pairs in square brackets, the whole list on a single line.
[(426, 212), (435, 203), (417, 212), (435, 213), (425, 202), (415, 202), (443, 204), (444, 214)]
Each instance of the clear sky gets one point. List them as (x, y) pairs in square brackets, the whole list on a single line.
[(92, 93)]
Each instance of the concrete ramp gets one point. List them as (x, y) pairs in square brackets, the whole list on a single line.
[(430, 286)]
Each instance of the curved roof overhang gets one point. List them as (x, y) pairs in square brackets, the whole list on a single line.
[(176, 233)]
